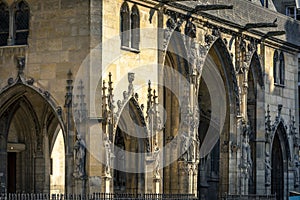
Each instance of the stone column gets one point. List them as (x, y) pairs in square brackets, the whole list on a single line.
[(11, 37), (47, 161), (195, 179), (80, 185), (3, 166), (203, 182)]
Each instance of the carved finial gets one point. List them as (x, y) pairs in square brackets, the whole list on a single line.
[(20, 65), (130, 80), (154, 96), (110, 88), (69, 81), (279, 109), (110, 93), (81, 96), (268, 126), (103, 89), (268, 119), (69, 88), (149, 101)]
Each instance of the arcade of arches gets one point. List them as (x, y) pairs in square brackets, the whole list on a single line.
[(209, 119)]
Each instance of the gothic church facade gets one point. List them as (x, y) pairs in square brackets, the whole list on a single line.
[(173, 97)]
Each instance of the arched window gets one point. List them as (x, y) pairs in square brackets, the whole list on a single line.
[(125, 25), (21, 23), (135, 28), (275, 68), (4, 23), (281, 68)]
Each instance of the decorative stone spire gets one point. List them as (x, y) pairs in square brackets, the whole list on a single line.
[(69, 88), (268, 125), (149, 100), (82, 112)]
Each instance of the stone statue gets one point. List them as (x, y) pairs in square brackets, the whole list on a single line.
[(79, 157), (125, 95), (130, 80), (119, 103), (108, 156), (296, 170), (187, 147), (156, 162), (268, 169), (246, 150)]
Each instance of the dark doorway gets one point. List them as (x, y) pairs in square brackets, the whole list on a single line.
[(11, 172), (277, 186)]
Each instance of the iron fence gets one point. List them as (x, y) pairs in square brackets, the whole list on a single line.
[(98, 196), (248, 197)]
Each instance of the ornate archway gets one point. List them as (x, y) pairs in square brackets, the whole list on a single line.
[(280, 156), (217, 81), (27, 116), (130, 146)]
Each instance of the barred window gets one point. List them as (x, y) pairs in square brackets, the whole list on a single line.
[(21, 23), (125, 24), (135, 28), (14, 23), (4, 23)]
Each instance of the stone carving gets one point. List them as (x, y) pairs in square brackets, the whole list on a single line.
[(156, 162), (125, 96), (279, 107), (268, 169), (59, 111), (216, 32), (209, 39), (268, 125), (10, 81), (79, 157), (173, 23), (246, 149), (130, 80), (30, 81), (120, 105), (20, 65), (108, 156), (187, 147), (296, 170), (190, 29)]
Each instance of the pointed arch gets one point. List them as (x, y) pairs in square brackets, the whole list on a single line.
[(218, 77), (176, 55), (221, 54), (280, 156), (256, 69), (23, 108), (174, 78), (130, 139), (125, 24), (135, 27), (4, 23), (280, 129)]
